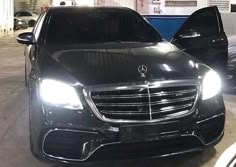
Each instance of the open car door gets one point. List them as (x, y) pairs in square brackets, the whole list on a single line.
[(203, 36)]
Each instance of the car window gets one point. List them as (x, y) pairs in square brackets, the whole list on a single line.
[(26, 14), (203, 27), (35, 13), (18, 14), (37, 23), (96, 26), (38, 26), (23, 14)]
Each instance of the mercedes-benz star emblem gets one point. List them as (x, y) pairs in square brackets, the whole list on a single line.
[(142, 69)]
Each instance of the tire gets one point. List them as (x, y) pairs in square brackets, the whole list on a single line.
[(24, 26), (26, 79), (31, 23), (16, 28), (37, 155), (30, 130), (31, 142)]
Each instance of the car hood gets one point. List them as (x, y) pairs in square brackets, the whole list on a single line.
[(118, 63)]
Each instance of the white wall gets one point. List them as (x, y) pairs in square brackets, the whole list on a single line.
[(125, 3), (84, 2), (148, 8), (187, 10), (6, 17), (229, 22), (179, 10), (57, 2)]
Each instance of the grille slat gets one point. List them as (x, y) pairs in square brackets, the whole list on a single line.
[(144, 103), (122, 104), (143, 95), (162, 110), (125, 112), (171, 108), (164, 101)]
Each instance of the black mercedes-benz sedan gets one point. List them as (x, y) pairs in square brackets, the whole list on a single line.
[(103, 84)]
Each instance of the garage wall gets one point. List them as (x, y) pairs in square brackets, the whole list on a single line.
[(229, 22), (147, 7), (32, 5), (182, 9), (57, 2), (223, 5), (125, 3), (39, 3), (6, 17)]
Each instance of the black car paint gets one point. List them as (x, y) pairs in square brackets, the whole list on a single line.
[(112, 64), (210, 47), (98, 64)]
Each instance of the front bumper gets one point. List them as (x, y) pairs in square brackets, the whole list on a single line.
[(76, 145), (75, 136)]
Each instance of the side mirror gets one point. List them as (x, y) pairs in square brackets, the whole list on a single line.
[(26, 38), (190, 33)]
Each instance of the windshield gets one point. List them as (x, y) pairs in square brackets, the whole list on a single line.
[(99, 26)]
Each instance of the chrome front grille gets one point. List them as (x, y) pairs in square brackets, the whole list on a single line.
[(143, 102), (172, 100)]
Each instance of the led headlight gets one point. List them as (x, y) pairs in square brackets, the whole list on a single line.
[(211, 85), (59, 94)]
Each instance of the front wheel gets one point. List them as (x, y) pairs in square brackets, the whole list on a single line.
[(31, 23), (32, 138), (26, 78), (30, 126)]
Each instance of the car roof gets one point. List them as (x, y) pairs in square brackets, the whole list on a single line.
[(71, 8), (23, 11)]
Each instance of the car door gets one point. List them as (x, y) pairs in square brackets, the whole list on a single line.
[(30, 50), (203, 36)]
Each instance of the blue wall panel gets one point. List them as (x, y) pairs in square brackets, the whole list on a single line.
[(167, 25)]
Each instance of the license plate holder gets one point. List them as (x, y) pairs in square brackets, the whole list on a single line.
[(148, 132)]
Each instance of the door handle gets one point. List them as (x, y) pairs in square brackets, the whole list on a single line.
[(217, 40)]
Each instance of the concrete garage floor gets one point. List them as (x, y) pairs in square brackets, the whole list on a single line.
[(14, 135)]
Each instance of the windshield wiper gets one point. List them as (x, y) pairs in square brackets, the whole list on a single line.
[(124, 42)]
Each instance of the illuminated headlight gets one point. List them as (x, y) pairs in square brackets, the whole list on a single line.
[(59, 94), (211, 85)]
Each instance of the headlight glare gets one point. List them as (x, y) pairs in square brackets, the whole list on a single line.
[(211, 85), (59, 94)]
